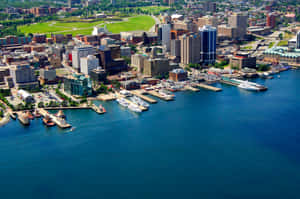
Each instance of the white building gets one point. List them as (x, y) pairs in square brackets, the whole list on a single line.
[(166, 36), (98, 30), (26, 96), (88, 64), (80, 52)]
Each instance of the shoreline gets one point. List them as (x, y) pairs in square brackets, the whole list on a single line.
[(4, 120)]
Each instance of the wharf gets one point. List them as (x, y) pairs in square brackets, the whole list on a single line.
[(59, 122), (156, 94), (208, 87), (190, 88), (106, 97), (143, 97), (131, 102)]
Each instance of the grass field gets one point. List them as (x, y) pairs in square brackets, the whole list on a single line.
[(282, 43), (132, 24)]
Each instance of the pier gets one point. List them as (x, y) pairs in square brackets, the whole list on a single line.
[(156, 94), (190, 88), (208, 87), (229, 83), (143, 97), (59, 122)]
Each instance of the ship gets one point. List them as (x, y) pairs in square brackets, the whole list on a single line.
[(48, 121), (122, 102), (247, 86), (29, 115), (134, 108), (98, 109), (260, 87), (139, 101), (22, 117), (37, 114)]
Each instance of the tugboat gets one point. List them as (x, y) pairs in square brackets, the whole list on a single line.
[(29, 115), (37, 114), (60, 114), (48, 122), (23, 118)]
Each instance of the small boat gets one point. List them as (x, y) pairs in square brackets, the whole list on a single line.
[(99, 110), (48, 121), (102, 109), (13, 115), (37, 114), (123, 102), (139, 101), (60, 114), (29, 115)]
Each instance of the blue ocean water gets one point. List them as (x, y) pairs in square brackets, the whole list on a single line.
[(231, 144)]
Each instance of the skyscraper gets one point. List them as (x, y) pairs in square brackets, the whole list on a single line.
[(298, 40), (190, 49), (80, 52), (166, 35), (240, 22), (208, 36)]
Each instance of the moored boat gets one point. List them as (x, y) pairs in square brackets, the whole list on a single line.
[(48, 121), (29, 115), (22, 117)]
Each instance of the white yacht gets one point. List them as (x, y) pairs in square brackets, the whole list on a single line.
[(139, 101), (134, 108), (122, 102), (247, 86)]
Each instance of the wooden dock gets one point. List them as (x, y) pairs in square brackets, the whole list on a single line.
[(144, 97), (156, 94), (59, 122), (208, 87)]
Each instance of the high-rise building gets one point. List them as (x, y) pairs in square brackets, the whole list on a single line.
[(239, 21), (209, 6), (190, 48), (166, 35), (78, 85), (208, 35), (207, 20), (89, 63), (298, 40), (80, 52), (23, 76), (271, 20)]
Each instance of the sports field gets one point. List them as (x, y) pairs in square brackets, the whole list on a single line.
[(141, 22)]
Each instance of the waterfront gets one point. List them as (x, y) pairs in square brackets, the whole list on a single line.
[(230, 144)]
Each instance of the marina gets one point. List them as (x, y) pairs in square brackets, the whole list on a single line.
[(60, 122), (140, 94)]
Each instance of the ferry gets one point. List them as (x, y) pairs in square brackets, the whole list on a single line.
[(247, 86), (48, 121), (123, 102), (260, 87), (139, 101), (22, 117), (134, 108)]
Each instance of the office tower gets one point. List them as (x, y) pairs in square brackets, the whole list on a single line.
[(271, 20), (207, 20), (208, 35), (80, 52), (190, 48), (89, 63), (23, 76), (166, 35), (175, 48), (209, 6), (239, 21)]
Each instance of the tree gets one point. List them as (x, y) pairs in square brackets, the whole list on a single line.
[(40, 104)]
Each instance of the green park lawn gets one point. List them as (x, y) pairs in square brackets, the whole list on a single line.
[(133, 23)]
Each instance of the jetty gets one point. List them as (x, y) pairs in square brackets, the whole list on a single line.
[(208, 87), (190, 88), (58, 121), (143, 97), (157, 94)]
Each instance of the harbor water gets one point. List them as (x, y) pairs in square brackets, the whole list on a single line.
[(230, 144)]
